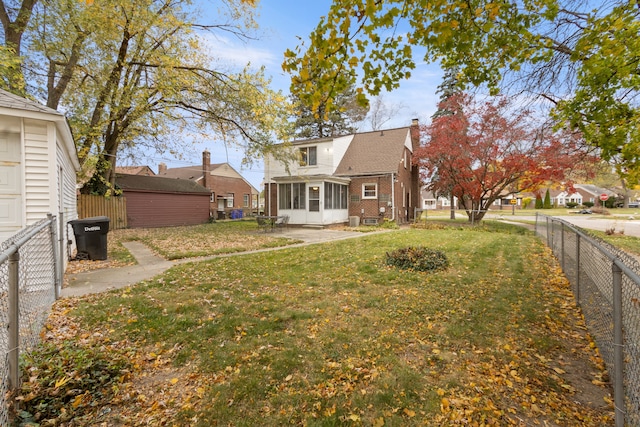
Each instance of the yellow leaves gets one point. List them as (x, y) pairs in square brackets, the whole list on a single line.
[(62, 381), (493, 9), (445, 405), (409, 413), (378, 422)]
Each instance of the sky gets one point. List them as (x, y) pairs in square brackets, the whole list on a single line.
[(281, 22)]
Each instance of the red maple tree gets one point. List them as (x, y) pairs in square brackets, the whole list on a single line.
[(481, 152)]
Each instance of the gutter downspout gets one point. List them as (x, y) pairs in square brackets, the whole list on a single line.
[(393, 196)]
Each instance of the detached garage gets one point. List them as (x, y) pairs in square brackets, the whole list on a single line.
[(38, 165), (163, 202)]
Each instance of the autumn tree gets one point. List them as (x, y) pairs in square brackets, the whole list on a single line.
[(14, 18), (485, 151), (317, 120), (137, 73), (589, 53)]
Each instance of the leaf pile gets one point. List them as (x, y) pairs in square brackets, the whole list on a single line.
[(417, 258)]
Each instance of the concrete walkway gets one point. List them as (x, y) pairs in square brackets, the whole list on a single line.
[(150, 265)]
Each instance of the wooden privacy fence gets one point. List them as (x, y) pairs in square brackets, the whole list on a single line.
[(114, 207)]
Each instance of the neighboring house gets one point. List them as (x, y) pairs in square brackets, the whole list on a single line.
[(591, 193), (163, 202), (135, 170), (38, 165), (430, 201), (561, 198), (368, 175), (229, 190)]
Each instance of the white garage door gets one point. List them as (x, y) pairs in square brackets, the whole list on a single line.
[(10, 185)]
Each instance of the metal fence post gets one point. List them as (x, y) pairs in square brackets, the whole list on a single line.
[(61, 252), (562, 246), (53, 236), (14, 326), (549, 232), (577, 291), (618, 349)]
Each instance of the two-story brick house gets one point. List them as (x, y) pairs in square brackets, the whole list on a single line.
[(368, 175)]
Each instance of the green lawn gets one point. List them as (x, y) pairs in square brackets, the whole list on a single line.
[(328, 335)]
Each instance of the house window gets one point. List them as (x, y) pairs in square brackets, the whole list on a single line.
[(369, 191), (245, 200), (212, 198), (335, 196), (291, 196), (308, 156), (230, 200), (314, 199)]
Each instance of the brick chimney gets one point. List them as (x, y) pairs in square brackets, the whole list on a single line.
[(162, 169), (415, 134), (206, 167)]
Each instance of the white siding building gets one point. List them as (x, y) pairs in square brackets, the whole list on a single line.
[(38, 165)]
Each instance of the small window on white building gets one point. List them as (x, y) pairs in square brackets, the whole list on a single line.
[(308, 156), (369, 191)]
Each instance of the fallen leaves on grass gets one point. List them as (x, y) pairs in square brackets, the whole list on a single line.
[(266, 339)]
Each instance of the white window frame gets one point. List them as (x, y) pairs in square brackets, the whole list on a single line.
[(365, 190), (230, 198), (304, 158)]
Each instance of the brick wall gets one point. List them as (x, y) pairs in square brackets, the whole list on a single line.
[(405, 193), (222, 186)]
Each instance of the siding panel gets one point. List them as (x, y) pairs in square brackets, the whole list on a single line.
[(38, 198)]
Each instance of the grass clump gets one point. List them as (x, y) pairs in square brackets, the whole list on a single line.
[(418, 258)]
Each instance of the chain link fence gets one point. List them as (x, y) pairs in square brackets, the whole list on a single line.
[(28, 288), (606, 284)]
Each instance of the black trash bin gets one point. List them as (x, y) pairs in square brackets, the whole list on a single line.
[(91, 237)]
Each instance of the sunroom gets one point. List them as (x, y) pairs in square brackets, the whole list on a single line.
[(313, 200)]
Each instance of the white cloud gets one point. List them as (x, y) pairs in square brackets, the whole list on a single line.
[(237, 52)]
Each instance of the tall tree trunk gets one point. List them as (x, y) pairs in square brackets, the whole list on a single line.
[(453, 208)]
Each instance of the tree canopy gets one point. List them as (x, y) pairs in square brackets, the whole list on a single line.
[(131, 73), (481, 152), (583, 59), (318, 121)]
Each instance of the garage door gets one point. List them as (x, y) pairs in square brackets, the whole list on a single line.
[(10, 185)]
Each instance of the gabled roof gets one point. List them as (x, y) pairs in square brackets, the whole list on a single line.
[(17, 106), (159, 184), (192, 173), (134, 170), (374, 152), (9, 100), (593, 189)]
